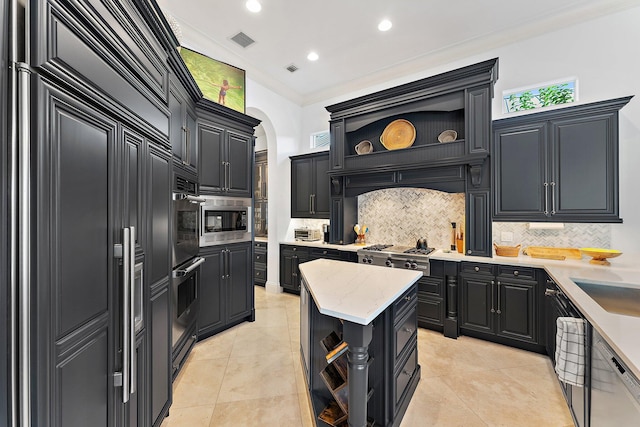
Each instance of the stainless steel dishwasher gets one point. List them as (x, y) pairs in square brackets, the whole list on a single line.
[(615, 392)]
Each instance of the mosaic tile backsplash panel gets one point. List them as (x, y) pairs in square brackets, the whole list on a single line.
[(403, 215), (571, 236)]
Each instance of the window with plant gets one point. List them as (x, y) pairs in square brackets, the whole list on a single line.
[(540, 96)]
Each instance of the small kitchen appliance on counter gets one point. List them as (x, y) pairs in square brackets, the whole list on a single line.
[(307, 234)]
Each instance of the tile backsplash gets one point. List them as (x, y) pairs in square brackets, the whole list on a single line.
[(403, 215), (573, 235)]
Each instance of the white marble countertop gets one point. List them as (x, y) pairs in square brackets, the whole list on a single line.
[(620, 331), (355, 292), (261, 239), (320, 244)]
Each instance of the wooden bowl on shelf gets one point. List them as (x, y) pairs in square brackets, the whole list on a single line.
[(398, 134), (599, 256), (364, 147)]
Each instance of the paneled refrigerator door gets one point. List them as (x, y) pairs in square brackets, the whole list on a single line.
[(81, 309)]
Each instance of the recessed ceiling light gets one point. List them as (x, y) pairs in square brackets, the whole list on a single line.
[(253, 6), (385, 25), (312, 56)]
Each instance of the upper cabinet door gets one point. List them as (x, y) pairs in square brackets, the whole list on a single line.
[(301, 184), (212, 169), (239, 152), (322, 193), (584, 167), (519, 171)]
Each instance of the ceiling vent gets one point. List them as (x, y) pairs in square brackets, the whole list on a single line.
[(242, 39), (292, 68)]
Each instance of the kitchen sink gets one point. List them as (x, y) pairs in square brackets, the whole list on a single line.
[(619, 298)]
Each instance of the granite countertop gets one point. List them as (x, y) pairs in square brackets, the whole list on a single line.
[(355, 292), (621, 332)]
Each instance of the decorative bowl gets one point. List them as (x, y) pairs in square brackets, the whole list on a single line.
[(599, 255), (364, 147), (398, 134), (507, 250), (448, 136)]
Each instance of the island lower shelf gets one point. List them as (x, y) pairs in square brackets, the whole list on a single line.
[(385, 350)]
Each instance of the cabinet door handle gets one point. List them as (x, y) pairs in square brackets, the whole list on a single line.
[(228, 263), (228, 176), (184, 145), (516, 272), (546, 199), (493, 310), (188, 144), (310, 204), (553, 198), (476, 268), (498, 310)]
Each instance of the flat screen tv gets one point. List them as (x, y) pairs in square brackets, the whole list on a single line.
[(218, 81)]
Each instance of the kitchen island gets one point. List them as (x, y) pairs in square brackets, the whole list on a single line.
[(372, 310)]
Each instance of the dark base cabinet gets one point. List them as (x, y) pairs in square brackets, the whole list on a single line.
[(502, 304), (260, 263), (431, 301), (291, 256), (226, 288), (393, 372)]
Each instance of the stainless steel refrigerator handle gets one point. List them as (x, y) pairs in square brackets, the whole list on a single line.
[(126, 307), (23, 244), (132, 311), (553, 198), (546, 199), (498, 310)]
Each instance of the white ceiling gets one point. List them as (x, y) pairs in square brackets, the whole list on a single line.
[(353, 53)]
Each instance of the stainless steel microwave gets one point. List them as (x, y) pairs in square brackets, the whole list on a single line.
[(225, 220)]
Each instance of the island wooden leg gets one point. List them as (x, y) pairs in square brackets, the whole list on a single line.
[(358, 338)]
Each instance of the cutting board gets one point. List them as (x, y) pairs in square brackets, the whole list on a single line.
[(550, 252)]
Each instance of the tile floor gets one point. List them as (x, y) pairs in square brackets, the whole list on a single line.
[(250, 375)]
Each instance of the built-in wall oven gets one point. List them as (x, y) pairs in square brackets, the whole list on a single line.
[(186, 263), (186, 224), (224, 220)]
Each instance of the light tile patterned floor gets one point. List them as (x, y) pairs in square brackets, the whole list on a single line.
[(250, 375)]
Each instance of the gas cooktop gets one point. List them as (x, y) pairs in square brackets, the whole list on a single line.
[(396, 249)]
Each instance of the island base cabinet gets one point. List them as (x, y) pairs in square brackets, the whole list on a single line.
[(384, 353)]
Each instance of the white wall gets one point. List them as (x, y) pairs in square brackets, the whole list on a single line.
[(601, 53)]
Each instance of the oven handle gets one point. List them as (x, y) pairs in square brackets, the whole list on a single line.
[(193, 266), (188, 197)]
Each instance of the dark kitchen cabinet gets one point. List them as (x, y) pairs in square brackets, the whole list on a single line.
[(160, 351), (290, 258), (560, 165), (458, 100), (260, 263), (260, 195), (226, 159), (226, 288), (502, 302), (431, 297), (182, 128), (136, 411), (310, 186)]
